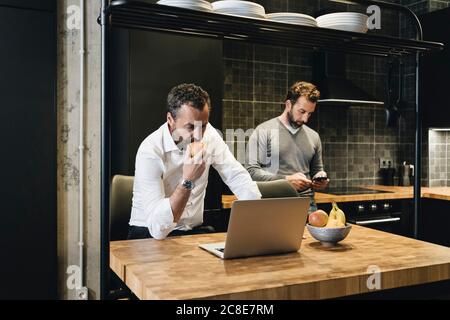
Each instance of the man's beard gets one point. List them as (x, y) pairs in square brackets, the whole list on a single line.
[(292, 122), (182, 143)]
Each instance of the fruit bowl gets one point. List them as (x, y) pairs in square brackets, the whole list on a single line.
[(329, 237)]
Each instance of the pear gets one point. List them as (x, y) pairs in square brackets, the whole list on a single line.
[(332, 223), (336, 217)]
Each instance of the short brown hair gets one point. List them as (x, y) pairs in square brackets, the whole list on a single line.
[(187, 93), (303, 89)]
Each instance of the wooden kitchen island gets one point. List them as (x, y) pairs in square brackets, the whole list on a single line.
[(176, 268)]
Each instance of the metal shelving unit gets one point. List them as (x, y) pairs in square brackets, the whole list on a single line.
[(153, 17)]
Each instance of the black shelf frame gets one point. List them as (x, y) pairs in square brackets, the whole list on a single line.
[(153, 17)]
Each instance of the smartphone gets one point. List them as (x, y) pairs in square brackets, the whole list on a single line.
[(318, 179)]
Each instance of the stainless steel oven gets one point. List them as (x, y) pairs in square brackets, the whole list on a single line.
[(394, 216)]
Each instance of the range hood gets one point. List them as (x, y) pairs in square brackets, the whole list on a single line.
[(330, 78)]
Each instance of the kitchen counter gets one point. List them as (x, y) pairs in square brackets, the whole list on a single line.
[(176, 268), (395, 192)]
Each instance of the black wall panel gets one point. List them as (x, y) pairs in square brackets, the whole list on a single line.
[(28, 157)]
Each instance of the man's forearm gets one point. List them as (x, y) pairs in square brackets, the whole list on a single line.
[(259, 174), (178, 201)]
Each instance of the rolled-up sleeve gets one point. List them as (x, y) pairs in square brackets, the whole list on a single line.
[(232, 172), (149, 193)]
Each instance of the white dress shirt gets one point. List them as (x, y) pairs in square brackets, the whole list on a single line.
[(159, 169)]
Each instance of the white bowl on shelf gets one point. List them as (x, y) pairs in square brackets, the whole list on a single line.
[(292, 17), (200, 5), (239, 8), (345, 21)]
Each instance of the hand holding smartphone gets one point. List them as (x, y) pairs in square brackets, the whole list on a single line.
[(319, 179)]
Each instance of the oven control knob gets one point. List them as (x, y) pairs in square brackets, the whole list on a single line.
[(386, 206), (360, 208), (373, 207)]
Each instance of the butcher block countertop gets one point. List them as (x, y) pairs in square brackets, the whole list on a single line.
[(442, 193), (176, 268)]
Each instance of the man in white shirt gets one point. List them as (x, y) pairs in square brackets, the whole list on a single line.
[(171, 174)]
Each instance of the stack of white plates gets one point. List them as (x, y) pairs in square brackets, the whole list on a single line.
[(201, 5), (291, 17), (346, 21), (239, 8)]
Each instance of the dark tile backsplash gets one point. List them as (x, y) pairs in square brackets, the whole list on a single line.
[(353, 138), (270, 81)]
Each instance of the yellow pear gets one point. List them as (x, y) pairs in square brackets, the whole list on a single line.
[(332, 223)]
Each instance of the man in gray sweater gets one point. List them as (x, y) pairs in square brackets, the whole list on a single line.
[(286, 148)]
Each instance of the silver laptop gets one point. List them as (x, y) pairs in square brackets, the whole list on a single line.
[(262, 227)]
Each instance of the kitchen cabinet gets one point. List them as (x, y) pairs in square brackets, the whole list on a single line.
[(436, 71), (28, 161), (435, 221)]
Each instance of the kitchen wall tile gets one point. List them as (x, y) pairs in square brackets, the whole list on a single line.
[(407, 127), (326, 6), (361, 124), (338, 183), (273, 5), (420, 7), (389, 23), (313, 122), (333, 124), (384, 134), (335, 160), (298, 73), (409, 64), (266, 111), (409, 88), (380, 65), (364, 80), (437, 137), (438, 183), (437, 5), (360, 63), (270, 54), (237, 114), (389, 151), (361, 162), (406, 153), (270, 82), (237, 50), (238, 80), (361, 182), (380, 90), (309, 7), (300, 57)]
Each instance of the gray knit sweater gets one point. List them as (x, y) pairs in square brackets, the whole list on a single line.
[(274, 152)]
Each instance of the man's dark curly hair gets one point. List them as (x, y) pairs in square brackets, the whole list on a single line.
[(187, 93)]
